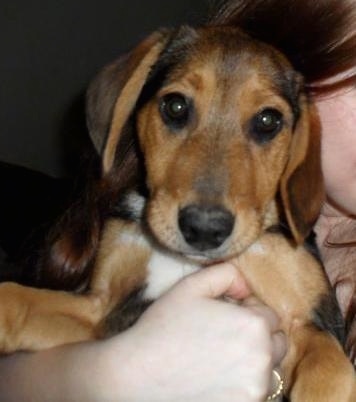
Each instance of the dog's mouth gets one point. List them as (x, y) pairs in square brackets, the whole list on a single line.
[(204, 260), (206, 257), (201, 233)]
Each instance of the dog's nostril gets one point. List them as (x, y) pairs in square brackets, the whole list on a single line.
[(205, 227)]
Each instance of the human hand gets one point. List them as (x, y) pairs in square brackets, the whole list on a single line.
[(192, 346)]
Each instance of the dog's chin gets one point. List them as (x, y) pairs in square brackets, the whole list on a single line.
[(205, 261), (205, 258), (176, 245), (198, 258)]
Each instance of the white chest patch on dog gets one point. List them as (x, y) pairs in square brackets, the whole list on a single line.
[(164, 270), (256, 249), (129, 238)]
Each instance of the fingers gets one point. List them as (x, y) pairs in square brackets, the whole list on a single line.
[(279, 348), (218, 280), (264, 311), (278, 338), (226, 280)]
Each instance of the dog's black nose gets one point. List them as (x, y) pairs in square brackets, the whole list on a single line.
[(205, 227)]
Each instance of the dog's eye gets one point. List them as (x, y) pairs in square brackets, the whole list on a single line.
[(175, 110), (266, 125)]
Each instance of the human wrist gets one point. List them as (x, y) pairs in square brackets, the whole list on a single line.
[(122, 370)]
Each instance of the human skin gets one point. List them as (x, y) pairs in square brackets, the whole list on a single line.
[(338, 217), (338, 116), (336, 226)]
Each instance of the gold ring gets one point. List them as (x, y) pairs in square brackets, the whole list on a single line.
[(280, 384)]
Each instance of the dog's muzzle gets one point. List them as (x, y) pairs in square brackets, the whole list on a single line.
[(205, 227)]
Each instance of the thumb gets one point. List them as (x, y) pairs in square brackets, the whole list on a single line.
[(216, 281)]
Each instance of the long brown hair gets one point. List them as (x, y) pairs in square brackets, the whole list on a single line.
[(318, 37)]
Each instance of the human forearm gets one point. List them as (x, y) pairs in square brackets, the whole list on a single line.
[(71, 373)]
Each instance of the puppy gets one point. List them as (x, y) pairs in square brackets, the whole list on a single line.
[(217, 148), (230, 145)]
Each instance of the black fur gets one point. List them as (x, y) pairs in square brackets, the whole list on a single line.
[(130, 206), (327, 317), (174, 53), (126, 314)]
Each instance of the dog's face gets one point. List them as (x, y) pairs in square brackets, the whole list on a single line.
[(216, 138), (224, 128)]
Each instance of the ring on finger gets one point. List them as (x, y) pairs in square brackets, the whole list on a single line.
[(279, 386)]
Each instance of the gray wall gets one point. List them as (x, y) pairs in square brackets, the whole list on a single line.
[(49, 51)]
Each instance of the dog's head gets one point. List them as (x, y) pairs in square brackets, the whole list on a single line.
[(229, 139)]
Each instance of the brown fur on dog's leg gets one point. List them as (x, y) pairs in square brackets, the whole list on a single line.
[(33, 319), (321, 358)]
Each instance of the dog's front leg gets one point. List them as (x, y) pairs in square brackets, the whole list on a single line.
[(292, 282), (317, 368), (34, 319), (120, 275)]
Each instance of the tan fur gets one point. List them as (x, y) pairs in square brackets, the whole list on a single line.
[(33, 319), (140, 63), (309, 384), (203, 166), (120, 265)]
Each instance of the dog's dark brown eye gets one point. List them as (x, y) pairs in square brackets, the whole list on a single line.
[(266, 125), (175, 110)]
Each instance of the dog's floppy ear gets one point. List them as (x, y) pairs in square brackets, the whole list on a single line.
[(112, 96), (302, 189)]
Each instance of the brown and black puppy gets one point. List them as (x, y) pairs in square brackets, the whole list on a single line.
[(217, 149), (230, 144)]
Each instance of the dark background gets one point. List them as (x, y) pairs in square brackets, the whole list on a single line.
[(49, 51)]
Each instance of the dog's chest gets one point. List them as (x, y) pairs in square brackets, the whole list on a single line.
[(163, 270)]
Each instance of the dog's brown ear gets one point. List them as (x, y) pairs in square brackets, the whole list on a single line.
[(67, 260), (113, 94), (302, 189)]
